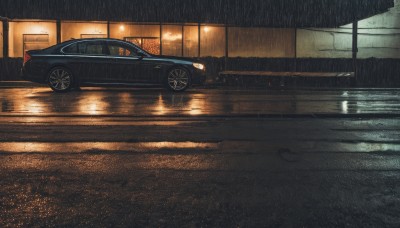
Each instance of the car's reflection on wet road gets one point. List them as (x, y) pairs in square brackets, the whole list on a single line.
[(219, 158)]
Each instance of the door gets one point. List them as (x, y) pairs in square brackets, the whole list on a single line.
[(124, 62), (88, 60)]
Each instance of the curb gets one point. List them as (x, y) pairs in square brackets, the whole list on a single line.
[(19, 84), (217, 86)]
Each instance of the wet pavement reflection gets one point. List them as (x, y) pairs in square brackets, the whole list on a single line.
[(207, 157), (156, 102)]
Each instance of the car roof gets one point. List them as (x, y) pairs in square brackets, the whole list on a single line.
[(92, 39)]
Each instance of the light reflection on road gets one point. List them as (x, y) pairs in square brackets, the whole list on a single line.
[(156, 102), (93, 104), (79, 147)]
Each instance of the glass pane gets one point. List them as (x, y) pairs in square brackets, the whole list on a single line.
[(261, 42), (71, 49), (121, 50), (191, 41), (146, 37), (152, 46), (78, 30), (35, 42), (212, 41), (94, 48), (136, 41), (172, 40), (121, 31), (30, 35), (90, 36)]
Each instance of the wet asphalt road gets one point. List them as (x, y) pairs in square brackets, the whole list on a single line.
[(208, 157)]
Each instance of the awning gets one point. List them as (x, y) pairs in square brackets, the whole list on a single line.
[(264, 13)]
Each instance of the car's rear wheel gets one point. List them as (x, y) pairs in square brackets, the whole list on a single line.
[(60, 79), (178, 79)]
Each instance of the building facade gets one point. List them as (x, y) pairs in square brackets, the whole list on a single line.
[(266, 29)]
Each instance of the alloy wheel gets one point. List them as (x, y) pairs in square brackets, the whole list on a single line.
[(178, 79), (60, 79)]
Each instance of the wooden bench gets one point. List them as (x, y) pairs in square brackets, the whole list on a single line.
[(240, 76)]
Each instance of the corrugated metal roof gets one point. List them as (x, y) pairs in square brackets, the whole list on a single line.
[(268, 13)]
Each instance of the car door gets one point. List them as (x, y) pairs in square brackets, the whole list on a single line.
[(88, 60), (124, 62), (130, 66)]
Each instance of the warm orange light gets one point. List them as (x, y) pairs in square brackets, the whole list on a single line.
[(206, 29), (172, 37), (122, 28)]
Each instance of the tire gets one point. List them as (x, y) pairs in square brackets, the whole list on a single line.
[(178, 79), (60, 79)]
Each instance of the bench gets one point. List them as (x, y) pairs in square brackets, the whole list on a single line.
[(240, 76)]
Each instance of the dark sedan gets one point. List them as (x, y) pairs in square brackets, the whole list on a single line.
[(108, 62)]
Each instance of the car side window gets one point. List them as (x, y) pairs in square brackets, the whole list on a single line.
[(94, 48), (72, 49), (117, 49), (85, 48)]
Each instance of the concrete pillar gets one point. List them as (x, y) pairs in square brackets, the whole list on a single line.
[(199, 37), (226, 47), (295, 49), (108, 29), (6, 37), (161, 41), (183, 40), (58, 31)]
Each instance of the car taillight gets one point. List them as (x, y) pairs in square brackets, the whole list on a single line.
[(27, 57)]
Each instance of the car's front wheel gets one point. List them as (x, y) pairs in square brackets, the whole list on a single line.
[(178, 79), (60, 79)]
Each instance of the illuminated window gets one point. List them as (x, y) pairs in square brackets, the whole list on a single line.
[(212, 41), (1, 39), (191, 41), (27, 35), (78, 30), (145, 36), (172, 40), (261, 42), (35, 42)]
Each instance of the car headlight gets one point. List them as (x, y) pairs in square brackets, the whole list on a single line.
[(199, 66)]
